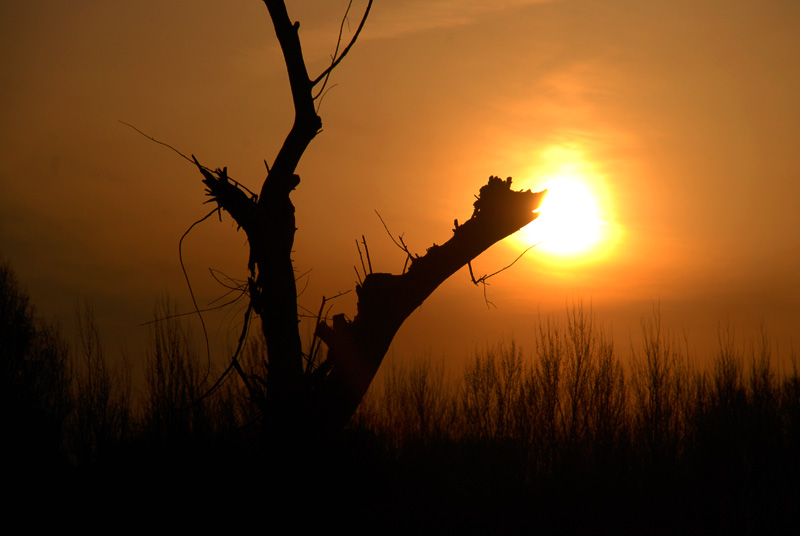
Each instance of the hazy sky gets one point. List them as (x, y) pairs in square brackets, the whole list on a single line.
[(682, 117)]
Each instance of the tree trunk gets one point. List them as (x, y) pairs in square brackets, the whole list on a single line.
[(356, 349)]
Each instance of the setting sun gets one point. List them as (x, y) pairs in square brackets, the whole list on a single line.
[(572, 217), (569, 222)]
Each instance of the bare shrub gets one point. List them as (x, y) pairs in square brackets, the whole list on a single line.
[(416, 402), (660, 380), (103, 415), (492, 390), (579, 391), (609, 401), (580, 362), (545, 387), (174, 381)]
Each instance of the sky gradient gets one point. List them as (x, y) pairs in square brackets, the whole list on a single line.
[(682, 118)]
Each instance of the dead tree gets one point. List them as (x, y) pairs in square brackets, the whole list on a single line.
[(294, 397)]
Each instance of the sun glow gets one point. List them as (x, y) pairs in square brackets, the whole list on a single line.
[(570, 219), (571, 224)]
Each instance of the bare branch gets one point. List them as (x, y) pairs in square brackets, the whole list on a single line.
[(192, 160), (189, 284), (356, 348), (281, 179), (335, 51), (360, 256), (233, 285), (316, 341), (321, 96), (400, 244), (366, 250), (336, 61), (157, 141), (483, 278), (235, 365), (229, 195)]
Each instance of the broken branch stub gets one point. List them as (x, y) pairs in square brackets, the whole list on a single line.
[(356, 348)]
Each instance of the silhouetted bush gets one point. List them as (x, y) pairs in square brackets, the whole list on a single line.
[(103, 418), (35, 397)]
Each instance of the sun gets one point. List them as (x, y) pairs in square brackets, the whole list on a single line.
[(571, 222), (570, 219)]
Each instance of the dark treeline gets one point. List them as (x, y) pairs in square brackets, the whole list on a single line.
[(576, 437), (67, 409), (568, 436)]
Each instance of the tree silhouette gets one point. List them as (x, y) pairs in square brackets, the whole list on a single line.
[(299, 395), (35, 376)]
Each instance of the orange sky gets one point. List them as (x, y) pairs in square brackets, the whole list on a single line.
[(684, 113)]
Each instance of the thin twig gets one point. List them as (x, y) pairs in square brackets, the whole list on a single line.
[(389, 232), (410, 257), (471, 275), (316, 342), (151, 138), (320, 318), (336, 61), (303, 274), (237, 283), (206, 310), (360, 256), (235, 359), (304, 308), (307, 281), (235, 362), (366, 250), (312, 352), (483, 278), (191, 291), (335, 52), (242, 292), (321, 98), (402, 245)]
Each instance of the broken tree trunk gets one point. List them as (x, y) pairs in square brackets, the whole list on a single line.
[(356, 348)]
